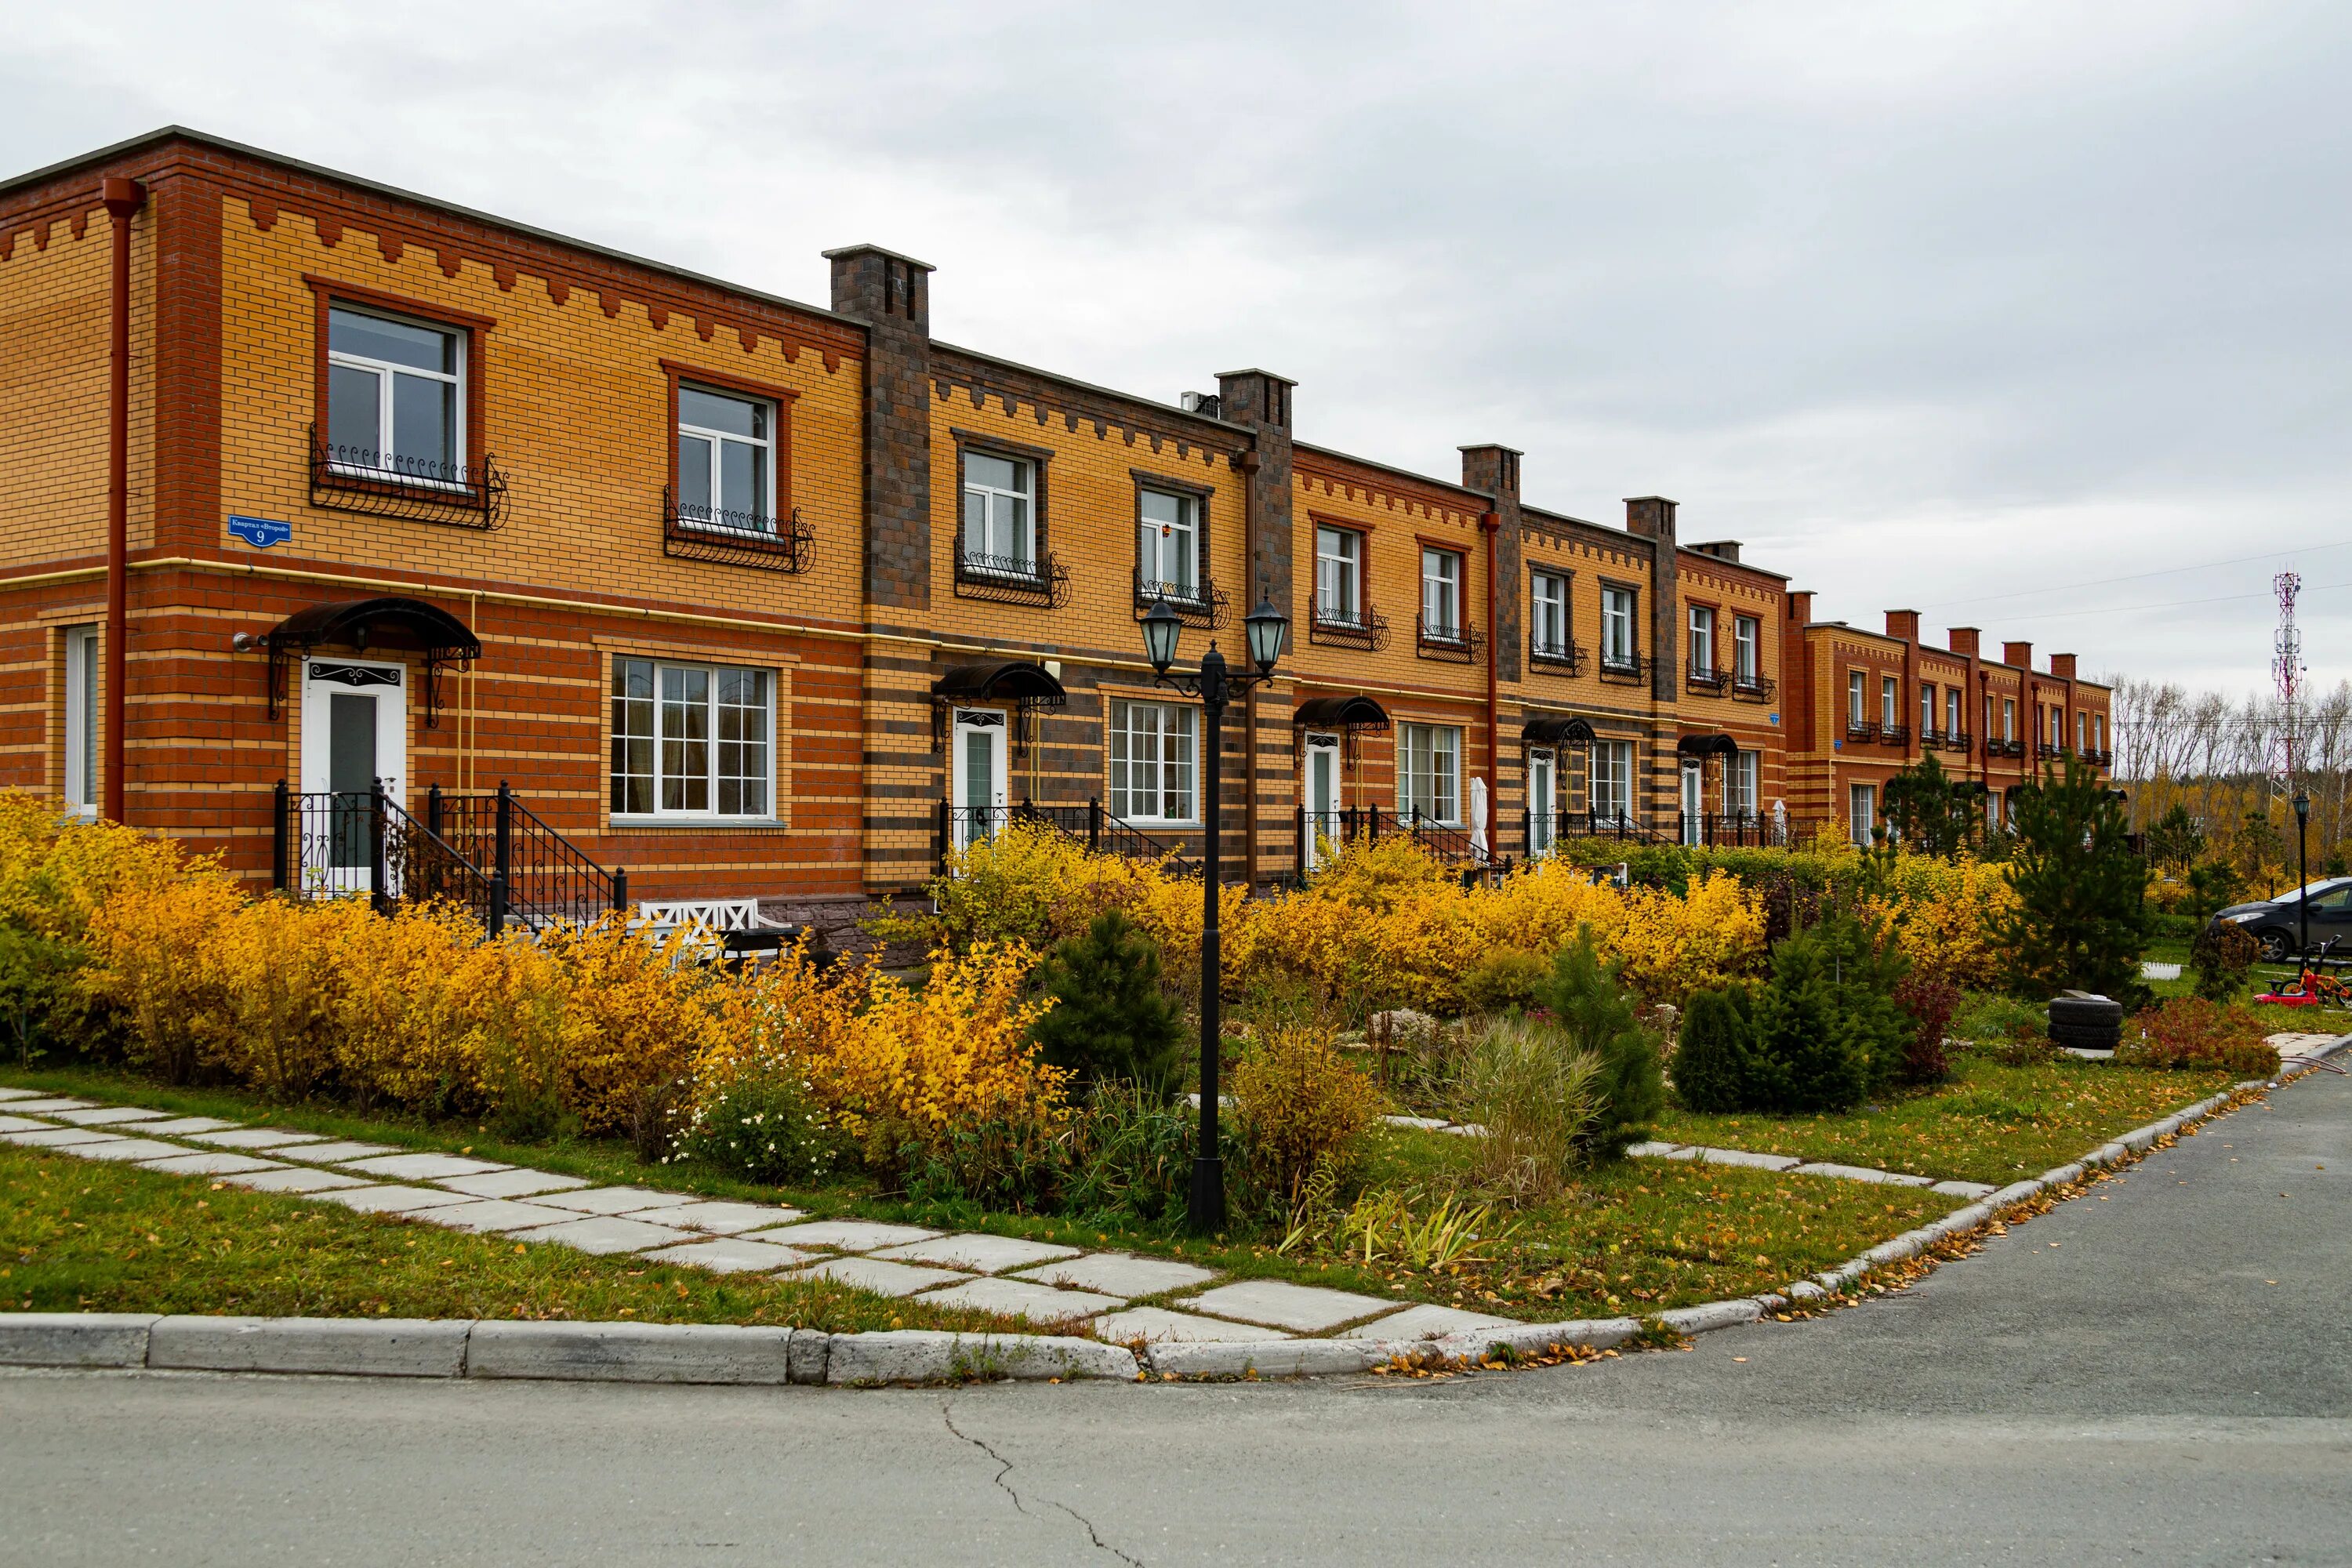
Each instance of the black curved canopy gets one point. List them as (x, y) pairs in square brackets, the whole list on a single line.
[(408, 625), (1006, 680), (1558, 730), (1356, 712), (1708, 746)]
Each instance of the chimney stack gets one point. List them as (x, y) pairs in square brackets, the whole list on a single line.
[(2062, 665), (1652, 517), (2020, 654), (1801, 606), (1964, 641), (1903, 624)]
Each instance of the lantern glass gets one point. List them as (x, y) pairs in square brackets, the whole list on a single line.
[(1269, 628), (2302, 806), (1161, 630)]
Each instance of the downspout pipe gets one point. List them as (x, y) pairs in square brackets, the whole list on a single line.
[(1490, 524), (1247, 463), (122, 198)]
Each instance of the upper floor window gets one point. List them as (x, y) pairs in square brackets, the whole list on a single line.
[(692, 739), (726, 460), (1338, 574), (394, 396), (1548, 613), (1152, 763), (1440, 592), (2099, 729), (2082, 728), (1747, 636), (1702, 640), (1167, 545), (1890, 701), (1951, 710), (1617, 644), (1000, 521), (1926, 708), (2008, 718), (1857, 693)]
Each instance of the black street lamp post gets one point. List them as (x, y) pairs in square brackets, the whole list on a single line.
[(2302, 874), (1216, 684)]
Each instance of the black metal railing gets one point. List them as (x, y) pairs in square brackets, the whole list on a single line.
[(1997, 747), (691, 533), (1895, 734), (386, 484), (1038, 579), (335, 844), (1339, 828), (1753, 688), (1706, 679), (1559, 824), (1739, 829), (2044, 751), (547, 879), (1622, 666), (1086, 824), (1454, 642), (1861, 729), (1561, 656), (1449, 844), (1201, 603), (1367, 628)]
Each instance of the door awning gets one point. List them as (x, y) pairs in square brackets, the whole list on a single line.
[(1006, 680), (1356, 712), (1706, 746), (387, 624), (1558, 730)]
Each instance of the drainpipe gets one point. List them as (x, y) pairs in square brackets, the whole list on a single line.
[(122, 197), (1247, 463), (1490, 524)]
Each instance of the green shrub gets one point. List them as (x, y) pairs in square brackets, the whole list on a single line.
[(1507, 980), (1988, 1015), (1536, 1095), (1719, 1065), (37, 976), (2222, 960), (1130, 1152), (1819, 1063), (765, 1126), (1303, 1108), (2190, 1032), (1599, 1018), (1110, 1018), (1861, 966)]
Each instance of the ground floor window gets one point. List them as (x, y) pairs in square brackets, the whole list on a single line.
[(1861, 810), (1152, 752), (82, 719), (1611, 793), (1429, 773), (692, 739), (1741, 783)]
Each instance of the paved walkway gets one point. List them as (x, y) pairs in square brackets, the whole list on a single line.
[(1115, 1296)]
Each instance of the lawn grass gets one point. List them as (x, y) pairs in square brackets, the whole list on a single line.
[(90, 1235), (1990, 1123)]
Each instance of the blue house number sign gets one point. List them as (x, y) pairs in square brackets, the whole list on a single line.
[(261, 532)]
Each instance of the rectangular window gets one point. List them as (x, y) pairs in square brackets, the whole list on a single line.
[(1548, 614), (81, 720), (1339, 576), (2081, 726), (1167, 545), (1861, 810), (1952, 709), (1440, 592), (1927, 709), (1742, 782), (1702, 640), (1858, 687), (395, 395), (1429, 773), (725, 460), (1000, 524), (1617, 644), (1612, 780), (1152, 754), (2101, 731), (1747, 636), (2008, 718), (692, 739), (1890, 701), (1992, 808)]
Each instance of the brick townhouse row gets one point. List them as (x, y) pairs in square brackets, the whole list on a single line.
[(316, 482)]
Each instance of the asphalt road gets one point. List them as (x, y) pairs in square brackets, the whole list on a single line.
[(2159, 1372)]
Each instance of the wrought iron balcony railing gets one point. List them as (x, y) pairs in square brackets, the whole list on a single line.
[(1861, 729), (1753, 688), (1626, 664), (384, 484), (692, 533), (1565, 657), (1201, 603), (1365, 628), (1895, 734), (1709, 680), (1454, 644), (1038, 579)]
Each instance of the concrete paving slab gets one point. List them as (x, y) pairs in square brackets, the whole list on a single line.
[(1425, 1322), (981, 1253), (495, 1213), (420, 1167), (1742, 1157), (125, 1150), (9, 1094), (847, 1235), (604, 1233), (43, 1104), (728, 1219), (1021, 1299), (728, 1254), (1652, 1150), (1307, 1309), (257, 1138), (388, 1199), (873, 1274), (1120, 1274), (1154, 1324), (210, 1162), (343, 1149), (23, 1124), (180, 1126), (295, 1179), (512, 1184), (1864, 1173), (614, 1200), (44, 1137), (108, 1115)]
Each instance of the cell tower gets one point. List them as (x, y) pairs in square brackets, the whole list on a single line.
[(2286, 672)]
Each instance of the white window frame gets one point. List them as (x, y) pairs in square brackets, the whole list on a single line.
[(81, 722), (993, 500), (1429, 773), (1702, 640), (1338, 575), (384, 371), (2008, 718), (1619, 644), (1440, 592), (1743, 783), (1548, 613), (1173, 769), (1926, 708), (1857, 697), (1890, 702), (764, 516), (1861, 811), (1746, 649), (1952, 711), (1609, 793), (712, 779), (1179, 544)]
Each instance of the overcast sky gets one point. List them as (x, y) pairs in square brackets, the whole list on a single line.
[(1962, 308)]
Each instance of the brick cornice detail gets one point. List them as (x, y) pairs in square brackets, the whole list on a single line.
[(1042, 398), (1382, 490)]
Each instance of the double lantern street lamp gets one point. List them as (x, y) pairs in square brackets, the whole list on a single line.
[(1216, 684)]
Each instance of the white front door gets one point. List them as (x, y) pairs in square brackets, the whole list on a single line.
[(354, 734), (1694, 802), (1322, 795), (1542, 803), (977, 769)]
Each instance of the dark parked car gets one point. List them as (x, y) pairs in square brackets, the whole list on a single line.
[(2272, 921)]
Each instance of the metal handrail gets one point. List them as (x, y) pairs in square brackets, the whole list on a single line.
[(329, 844), (548, 879)]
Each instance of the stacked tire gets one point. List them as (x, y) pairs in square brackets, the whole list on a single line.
[(2080, 1021)]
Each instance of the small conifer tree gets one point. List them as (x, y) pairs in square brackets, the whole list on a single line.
[(1110, 1019), (2081, 920)]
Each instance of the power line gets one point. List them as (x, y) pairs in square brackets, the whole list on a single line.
[(2174, 605), (2141, 577)]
